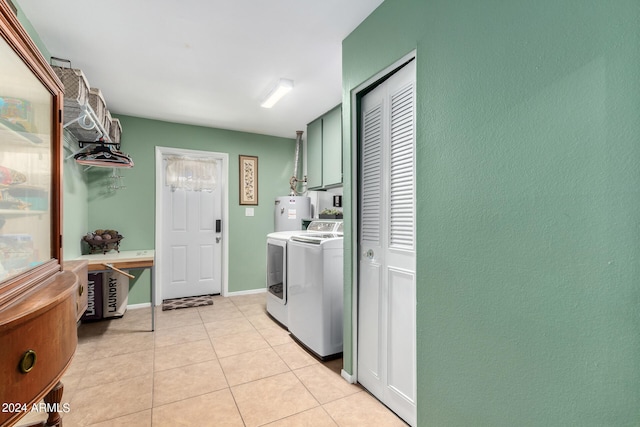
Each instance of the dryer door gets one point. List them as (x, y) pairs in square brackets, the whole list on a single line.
[(277, 269)]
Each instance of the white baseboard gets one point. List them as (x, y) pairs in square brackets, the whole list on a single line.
[(137, 306), (229, 294), (249, 292), (351, 379)]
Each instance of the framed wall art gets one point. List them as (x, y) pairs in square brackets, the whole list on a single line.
[(248, 170)]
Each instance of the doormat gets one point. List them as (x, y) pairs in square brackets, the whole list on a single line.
[(176, 303)]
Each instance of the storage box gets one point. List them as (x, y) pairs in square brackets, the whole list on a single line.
[(107, 123), (94, 297), (115, 294), (98, 104), (115, 131), (76, 86), (330, 216)]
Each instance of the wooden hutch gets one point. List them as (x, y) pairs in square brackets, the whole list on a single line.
[(40, 302)]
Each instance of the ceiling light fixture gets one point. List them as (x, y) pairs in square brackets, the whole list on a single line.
[(280, 89)]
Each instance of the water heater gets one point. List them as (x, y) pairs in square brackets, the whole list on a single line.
[(289, 212)]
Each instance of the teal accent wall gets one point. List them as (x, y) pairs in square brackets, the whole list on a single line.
[(131, 211), (528, 206)]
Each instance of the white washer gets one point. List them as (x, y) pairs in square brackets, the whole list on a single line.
[(277, 288), (315, 300)]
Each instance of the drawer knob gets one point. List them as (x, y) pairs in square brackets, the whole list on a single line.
[(81, 290), (28, 361)]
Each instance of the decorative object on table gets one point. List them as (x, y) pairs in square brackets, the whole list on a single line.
[(186, 302), (330, 214), (248, 170), (103, 241)]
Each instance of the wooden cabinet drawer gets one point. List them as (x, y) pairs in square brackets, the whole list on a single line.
[(79, 268), (42, 325)]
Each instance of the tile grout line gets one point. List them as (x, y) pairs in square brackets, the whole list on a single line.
[(223, 372), (248, 314), (153, 377), (270, 376), (230, 390), (292, 371)]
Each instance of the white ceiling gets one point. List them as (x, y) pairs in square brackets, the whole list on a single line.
[(205, 62)]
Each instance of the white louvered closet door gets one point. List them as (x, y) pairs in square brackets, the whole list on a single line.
[(386, 275)]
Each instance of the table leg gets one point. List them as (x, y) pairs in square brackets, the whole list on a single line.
[(153, 298), (53, 399)]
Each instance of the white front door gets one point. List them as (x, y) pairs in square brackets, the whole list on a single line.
[(191, 246), (386, 354)]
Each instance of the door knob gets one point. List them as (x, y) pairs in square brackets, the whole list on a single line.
[(28, 361), (369, 254)]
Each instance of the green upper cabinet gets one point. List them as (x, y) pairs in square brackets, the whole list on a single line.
[(324, 151), (314, 154), (332, 148)]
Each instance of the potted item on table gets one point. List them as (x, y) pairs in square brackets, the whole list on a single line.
[(103, 241), (330, 214)]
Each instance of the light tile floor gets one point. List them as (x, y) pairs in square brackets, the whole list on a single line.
[(228, 364)]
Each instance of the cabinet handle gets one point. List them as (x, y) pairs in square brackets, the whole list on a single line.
[(28, 361), (81, 290)]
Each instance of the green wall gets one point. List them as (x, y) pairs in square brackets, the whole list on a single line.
[(75, 210), (88, 204), (131, 211), (528, 202), (24, 21)]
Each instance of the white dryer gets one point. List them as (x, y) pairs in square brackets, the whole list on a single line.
[(277, 245), (315, 300)]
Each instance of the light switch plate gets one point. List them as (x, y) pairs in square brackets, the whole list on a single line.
[(248, 211)]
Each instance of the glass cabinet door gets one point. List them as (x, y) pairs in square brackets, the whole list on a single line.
[(25, 167), (30, 161)]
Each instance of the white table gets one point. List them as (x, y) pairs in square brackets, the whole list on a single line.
[(126, 260)]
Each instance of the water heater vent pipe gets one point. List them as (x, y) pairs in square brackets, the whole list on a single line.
[(293, 182)]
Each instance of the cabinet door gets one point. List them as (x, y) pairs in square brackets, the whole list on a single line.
[(30, 162), (314, 154), (332, 148)]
